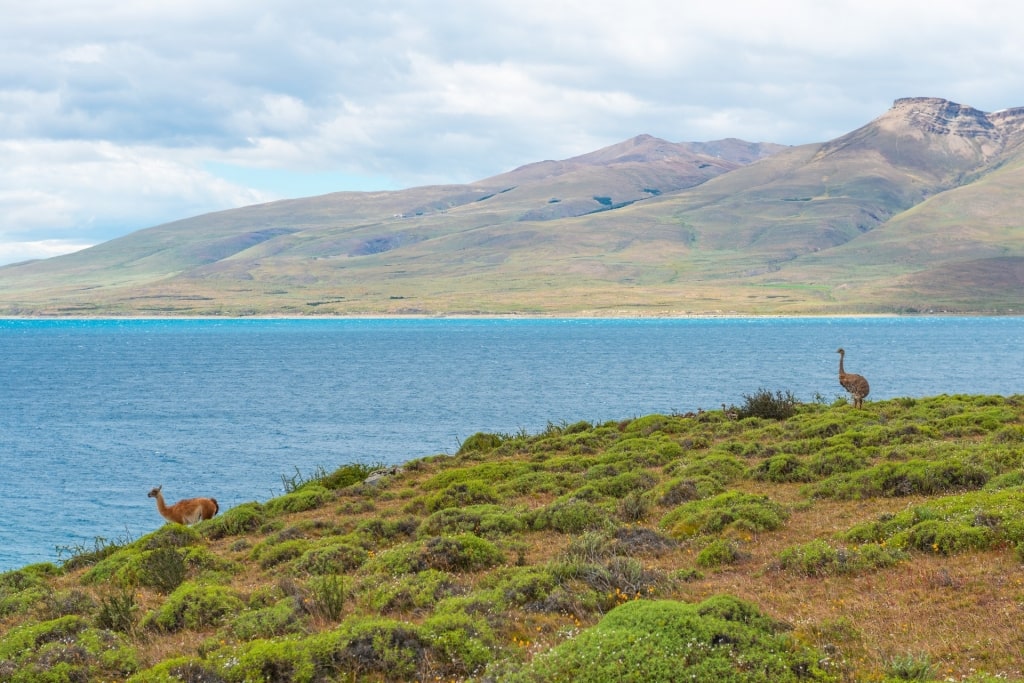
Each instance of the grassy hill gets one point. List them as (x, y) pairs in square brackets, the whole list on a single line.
[(772, 541), (917, 210)]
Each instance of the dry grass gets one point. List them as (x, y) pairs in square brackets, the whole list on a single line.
[(961, 612)]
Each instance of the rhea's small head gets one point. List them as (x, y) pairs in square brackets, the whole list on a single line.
[(155, 492), (840, 351)]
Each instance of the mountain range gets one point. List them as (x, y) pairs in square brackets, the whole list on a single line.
[(919, 210)]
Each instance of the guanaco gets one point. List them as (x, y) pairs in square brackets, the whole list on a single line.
[(188, 511)]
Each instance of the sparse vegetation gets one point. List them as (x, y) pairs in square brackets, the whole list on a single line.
[(667, 547)]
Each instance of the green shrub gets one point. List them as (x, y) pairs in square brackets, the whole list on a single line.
[(945, 537), (479, 443), (117, 611), (975, 520), (240, 519), (462, 643), (463, 552), (719, 552), (836, 460), (327, 597), (268, 661), (570, 516), (362, 647), (419, 590), (666, 641), (768, 406), (633, 507), (911, 668), (192, 606), (307, 497), (484, 520), (281, 618), (682, 490), (331, 558), (177, 669), (734, 510), (819, 558), (913, 477), (270, 554), (64, 650), (21, 589), (521, 586), (169, 536), (379, 531), (347, 475), (723, 468), (163, 569), (462, 495), (782, 468)]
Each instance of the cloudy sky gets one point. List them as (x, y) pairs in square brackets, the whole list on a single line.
[(117, 115)]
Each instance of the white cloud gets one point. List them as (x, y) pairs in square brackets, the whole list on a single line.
[(115, 116), (15, 252)]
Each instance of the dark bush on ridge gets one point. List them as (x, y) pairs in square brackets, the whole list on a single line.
[(768, 406)]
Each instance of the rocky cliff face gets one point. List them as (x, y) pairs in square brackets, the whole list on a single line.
[(994, 132)]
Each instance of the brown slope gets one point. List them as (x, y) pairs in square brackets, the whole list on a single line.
[(841, 226), (237, 243)]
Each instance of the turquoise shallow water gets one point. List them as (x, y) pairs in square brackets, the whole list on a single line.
[(97, 412)]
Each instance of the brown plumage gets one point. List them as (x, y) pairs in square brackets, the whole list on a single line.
[(855, 384), (188, 511)]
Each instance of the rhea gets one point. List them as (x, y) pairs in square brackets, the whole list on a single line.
[(187, 511), (855, 384)]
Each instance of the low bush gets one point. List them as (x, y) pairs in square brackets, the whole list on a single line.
[(461, 643), (522, 586), (768, 406), (570, 516), (462, 552), (977, 520), (330, 557), (163, 569), (117, 611), (732, 510), (365, 647), (819, 558), (719, 552), (782, 468), (307, 497), (241, 519), (462, 495), (348, 475), (895, 479), (21, 589), (64, 650), (480, 442), (327, 595), (281, 618), (488, 520), (176, 669), (192, 606), (270, 554), (666, 641)]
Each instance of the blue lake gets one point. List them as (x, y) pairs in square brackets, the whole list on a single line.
[(97, 412)]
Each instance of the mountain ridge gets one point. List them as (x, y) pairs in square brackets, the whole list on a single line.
[(864, 223)]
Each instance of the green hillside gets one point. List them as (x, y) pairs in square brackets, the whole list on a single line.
[(771, 541), (917, 210)]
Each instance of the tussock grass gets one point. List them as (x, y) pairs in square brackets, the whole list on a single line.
[(880, 544)]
